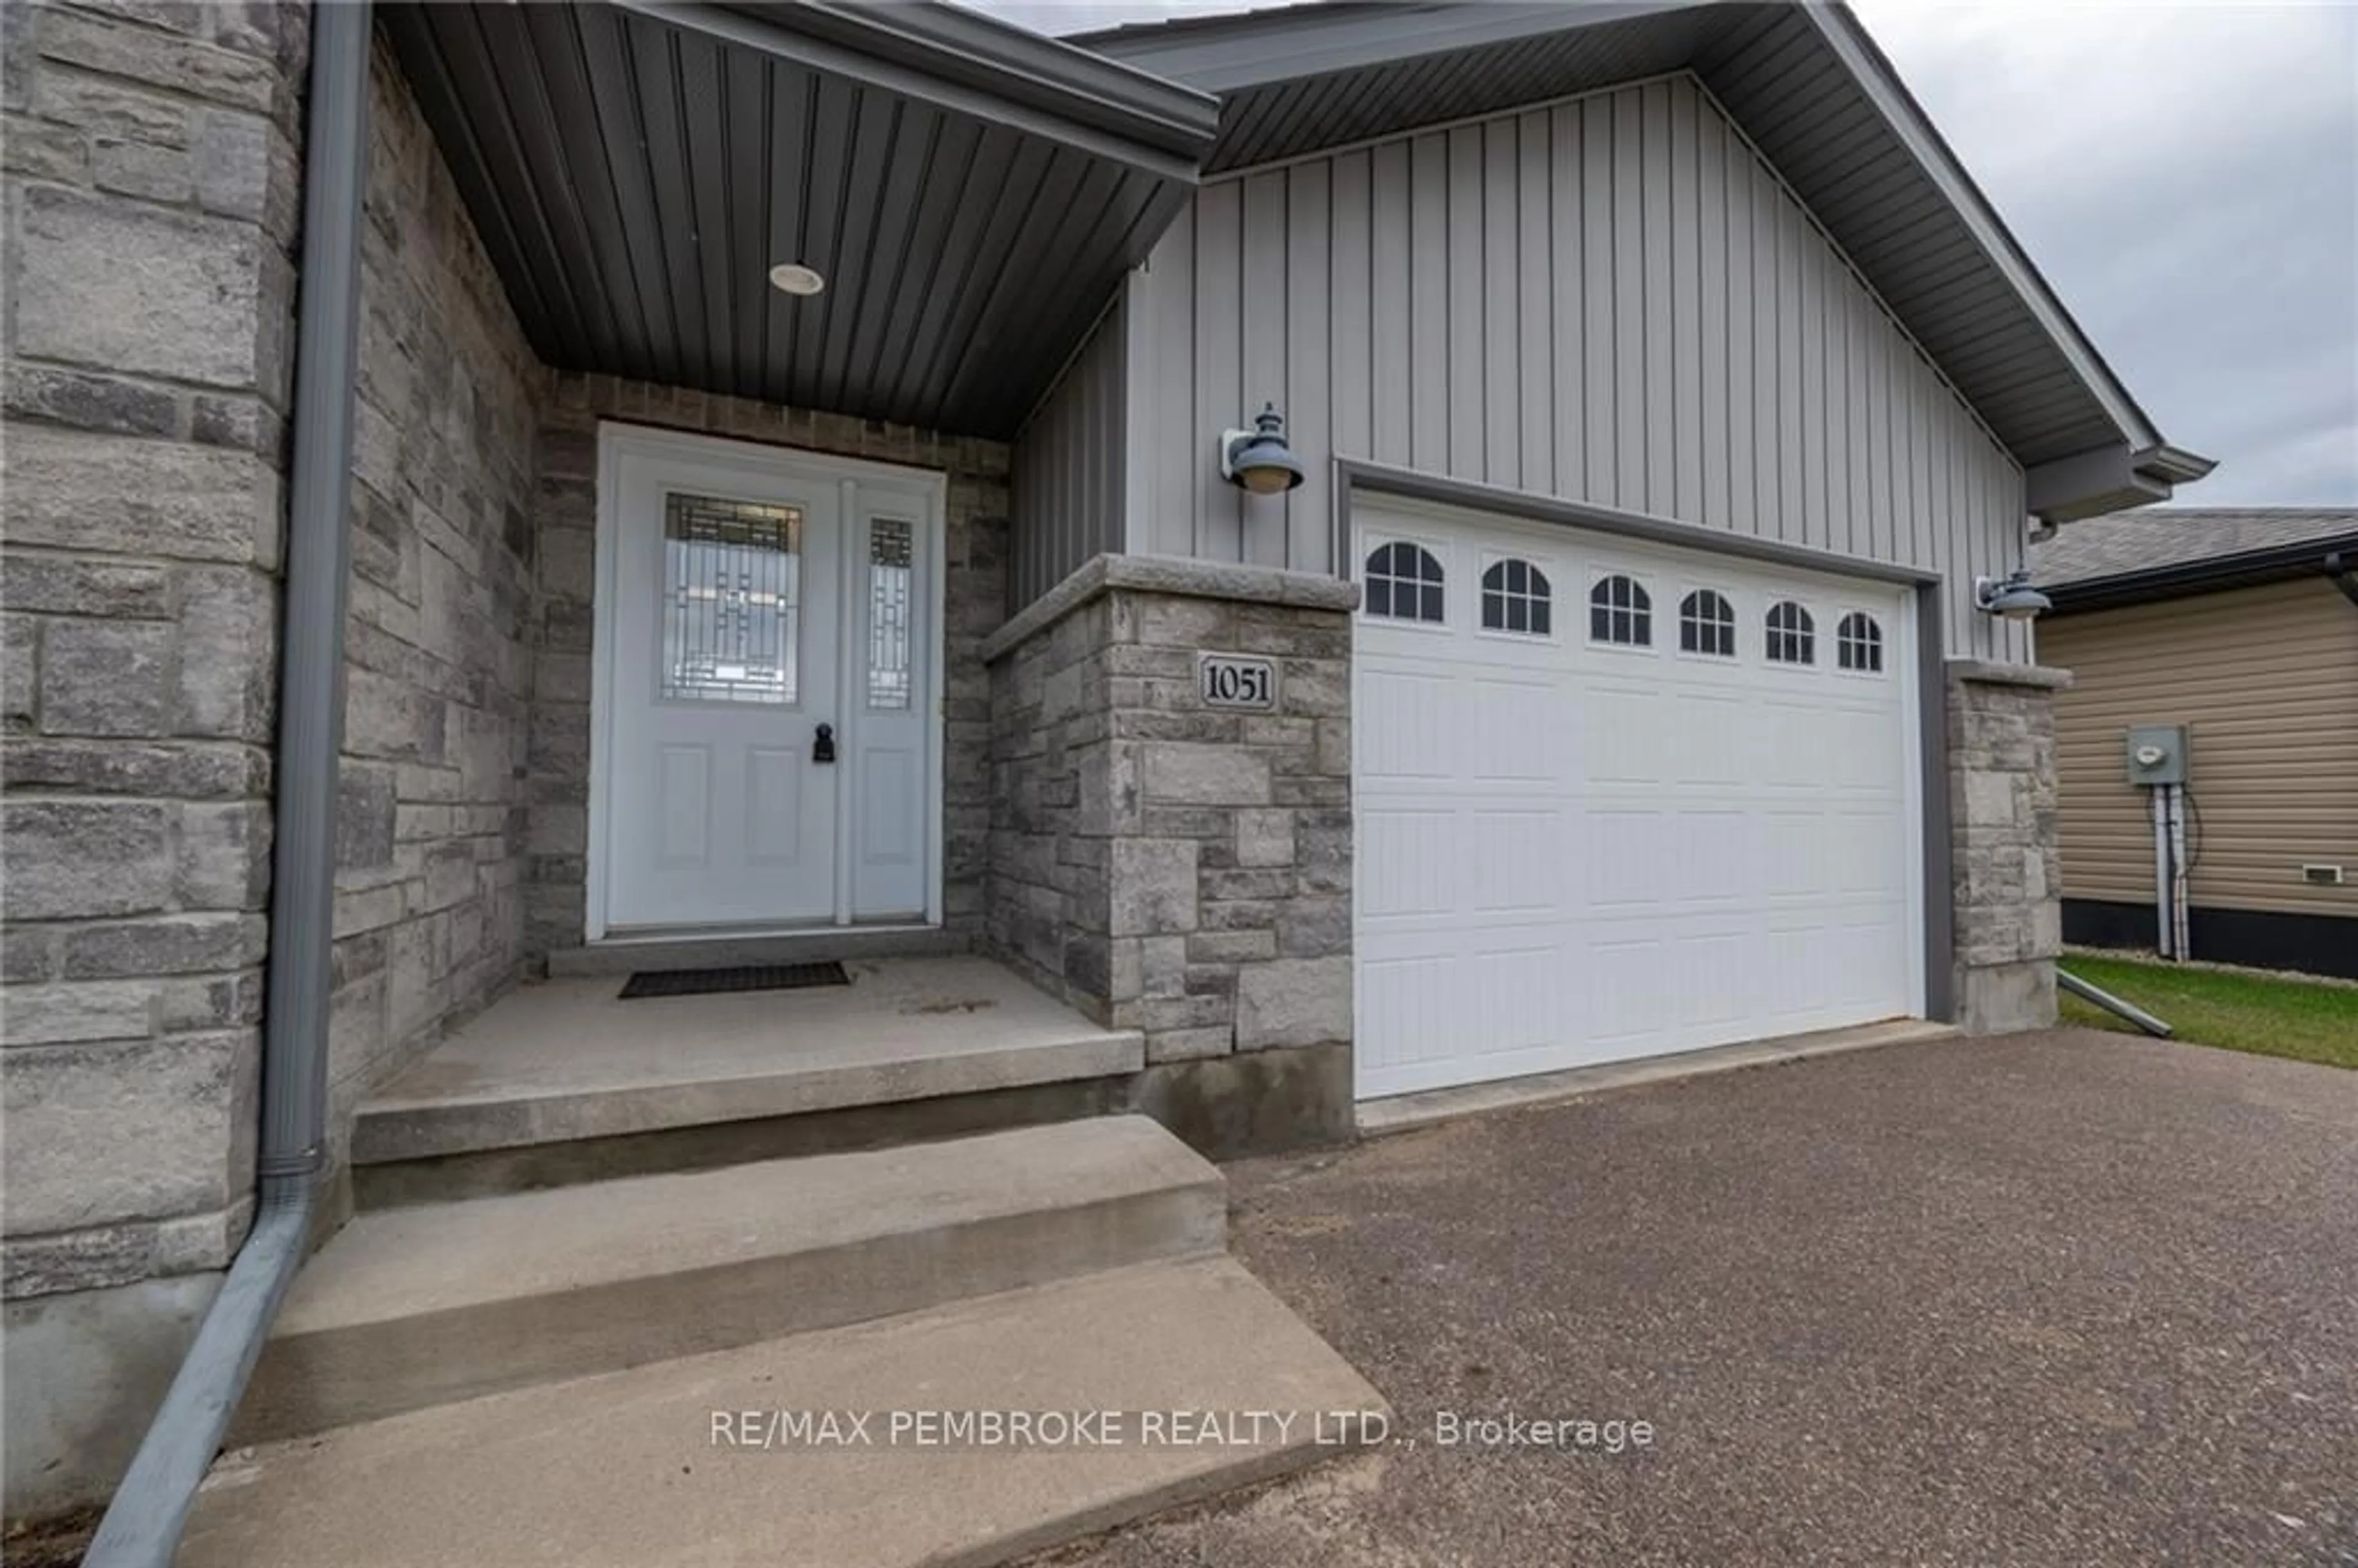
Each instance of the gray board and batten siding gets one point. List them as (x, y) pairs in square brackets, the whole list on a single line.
[(1068, 468), (1612, 298)]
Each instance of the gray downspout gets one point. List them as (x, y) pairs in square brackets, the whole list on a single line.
[(2113, 1004), (143, 1525)]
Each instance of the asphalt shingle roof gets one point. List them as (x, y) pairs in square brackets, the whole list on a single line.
[(2172, 535)]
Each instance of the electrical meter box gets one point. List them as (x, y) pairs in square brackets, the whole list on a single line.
[(2156, 753)]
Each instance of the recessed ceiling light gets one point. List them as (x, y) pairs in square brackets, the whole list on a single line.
[(793, 277)]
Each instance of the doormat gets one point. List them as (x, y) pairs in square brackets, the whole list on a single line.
[(743, 977)]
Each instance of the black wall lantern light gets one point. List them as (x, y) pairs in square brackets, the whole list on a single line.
[(2011, 597), (1259, 459)]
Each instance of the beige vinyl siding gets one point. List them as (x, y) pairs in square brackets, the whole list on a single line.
[(2266, 681), (1612, 299)]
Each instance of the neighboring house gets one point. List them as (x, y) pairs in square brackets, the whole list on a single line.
[(1614, 684), (2241, 626)]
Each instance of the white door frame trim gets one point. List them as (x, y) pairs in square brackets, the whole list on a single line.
[(928, 489)]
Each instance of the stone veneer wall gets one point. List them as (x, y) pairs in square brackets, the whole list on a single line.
[(151, 200), (1175, 869), (2005, 845), (430, 816), (566, 517)]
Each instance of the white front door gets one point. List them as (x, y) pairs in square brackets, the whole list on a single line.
[(760, 739)]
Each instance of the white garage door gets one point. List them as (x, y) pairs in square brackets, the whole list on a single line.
[(1617, 799)]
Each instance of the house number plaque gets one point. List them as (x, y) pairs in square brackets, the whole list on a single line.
[(1227, 681)]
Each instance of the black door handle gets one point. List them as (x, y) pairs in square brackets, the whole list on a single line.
[(823, 745)]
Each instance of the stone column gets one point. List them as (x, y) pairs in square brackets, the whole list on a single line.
[(151, 201), (1179, 868), (2004, 846)]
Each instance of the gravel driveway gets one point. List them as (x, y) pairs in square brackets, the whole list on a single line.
[(2067, 1298)]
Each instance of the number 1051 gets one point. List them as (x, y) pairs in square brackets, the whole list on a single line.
[(1237, 683)]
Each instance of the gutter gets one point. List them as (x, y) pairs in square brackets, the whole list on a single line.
[(1051, 74), (973, 66), (2252, 569), (1234, 53), (2107, 479), (2166, 464), (150, 1508)]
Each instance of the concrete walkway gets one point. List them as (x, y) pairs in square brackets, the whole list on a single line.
[(723, 1461), (2069, 1298)]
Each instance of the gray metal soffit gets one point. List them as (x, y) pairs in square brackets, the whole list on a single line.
[(1803, 81), (971, 193)]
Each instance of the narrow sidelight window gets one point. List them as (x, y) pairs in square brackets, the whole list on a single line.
[(891, 555)]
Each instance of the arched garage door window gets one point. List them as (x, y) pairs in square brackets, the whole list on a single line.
[(1404, 583), (1858, 643), (1792, 635), (1707, 624), (1517, 597), (1620, 611)]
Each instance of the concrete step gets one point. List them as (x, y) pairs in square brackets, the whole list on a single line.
[(626, 1468), (561, 1082), (419, 1306), (719, 951)]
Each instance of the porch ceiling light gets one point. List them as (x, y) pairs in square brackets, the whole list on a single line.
[(793, 277), (2012, 598), (1259, 459)]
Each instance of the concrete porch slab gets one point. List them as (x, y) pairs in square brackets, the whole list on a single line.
[(565, 1060), (624, 1468)]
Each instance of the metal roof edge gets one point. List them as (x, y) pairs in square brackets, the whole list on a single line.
[(2108, 479), (1250, 48), (2173, 465), (970, 63), (2177, 579), (945, 31), (1867, 63), (2090, 485), (1196, 25)]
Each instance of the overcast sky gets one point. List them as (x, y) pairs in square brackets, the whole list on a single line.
[(2186, 177)]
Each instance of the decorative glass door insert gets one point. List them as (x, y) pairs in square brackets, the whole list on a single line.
[(732, 599)]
